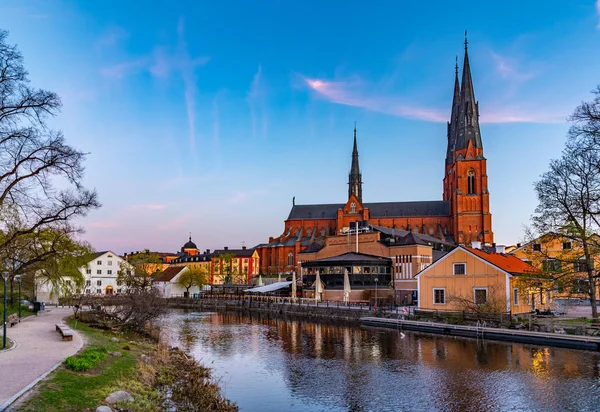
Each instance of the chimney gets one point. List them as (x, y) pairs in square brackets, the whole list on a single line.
[(494, 244), (243, 247), (226, 248), (518, 245), (208, 251), (476, 244), (500, 248)]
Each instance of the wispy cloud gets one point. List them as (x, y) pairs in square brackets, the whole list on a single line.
[(240, 196), (357, 93), (112, 36), (507, 69), (128, 68), (256, 101), (103, 224), (353, 93), (151, 206)]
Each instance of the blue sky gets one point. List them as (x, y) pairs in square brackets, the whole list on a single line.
[(208, 117)]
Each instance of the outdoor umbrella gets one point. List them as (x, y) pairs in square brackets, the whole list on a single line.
[(294, 286), (318, 287), (260, 280), (347, 288)]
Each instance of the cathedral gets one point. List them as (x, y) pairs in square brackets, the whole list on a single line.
[(462, 216)]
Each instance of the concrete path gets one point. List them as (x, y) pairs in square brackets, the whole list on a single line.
[(39, 349)]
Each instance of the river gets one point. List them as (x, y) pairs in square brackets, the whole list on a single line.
[(270, 364)]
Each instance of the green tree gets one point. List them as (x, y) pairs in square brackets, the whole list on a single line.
[(193, 277), (139, 270), (227, 259)]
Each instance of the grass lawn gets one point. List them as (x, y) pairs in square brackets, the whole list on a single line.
[(25, 311), (66, 390)]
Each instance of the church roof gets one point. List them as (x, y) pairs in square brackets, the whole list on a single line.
[(376, 210)]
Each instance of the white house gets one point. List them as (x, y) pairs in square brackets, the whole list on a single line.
[(100, 274), (167, 282)]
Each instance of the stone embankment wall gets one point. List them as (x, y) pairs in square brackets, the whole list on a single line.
[(323, 311)]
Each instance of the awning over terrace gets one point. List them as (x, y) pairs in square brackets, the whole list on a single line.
[(269, 288)]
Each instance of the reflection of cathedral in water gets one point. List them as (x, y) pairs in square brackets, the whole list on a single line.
[(352, 368)]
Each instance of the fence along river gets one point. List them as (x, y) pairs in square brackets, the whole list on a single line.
[(272, 364)]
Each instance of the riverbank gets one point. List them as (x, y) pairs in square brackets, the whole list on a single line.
[(154, 375)]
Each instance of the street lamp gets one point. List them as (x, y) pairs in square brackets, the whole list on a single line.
[(376, 280), (5, 276), (19, 278)]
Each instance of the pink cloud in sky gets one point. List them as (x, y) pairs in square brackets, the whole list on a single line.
[(103, 224), (352, 93), (149, 207), (507, 68)]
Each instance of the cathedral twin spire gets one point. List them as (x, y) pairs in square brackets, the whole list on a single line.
[(464, 122), (355, 177)]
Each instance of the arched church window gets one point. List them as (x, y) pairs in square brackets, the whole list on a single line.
[(290, 259), (352, 207), (471, 181)]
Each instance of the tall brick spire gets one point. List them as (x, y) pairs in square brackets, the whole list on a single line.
[(355, 177), (453, 123), (468, 125)]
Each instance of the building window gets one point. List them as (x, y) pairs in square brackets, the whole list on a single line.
[(471, 181), (88, 271), (480, 296), (109, 263), (581, 266), (552, 265), (528, 296), (352, 207), (99, 262), (99, 291), (290, 259), (566, 245), (87, 291), (99, 272), (118, 290), (439, 296), (88, 283), (109, 272), (460, 268), (516, 296), (119, 283), (537, 247), (99, 283)]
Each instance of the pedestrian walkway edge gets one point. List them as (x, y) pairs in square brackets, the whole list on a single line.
[(17, 395)]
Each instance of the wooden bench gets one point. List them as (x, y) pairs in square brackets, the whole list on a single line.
[(65, 331), (13, 319)]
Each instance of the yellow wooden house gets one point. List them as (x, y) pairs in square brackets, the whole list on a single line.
[(467, 278)]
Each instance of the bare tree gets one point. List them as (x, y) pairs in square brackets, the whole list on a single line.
[(492, 302), (569, 204), (34, 212)]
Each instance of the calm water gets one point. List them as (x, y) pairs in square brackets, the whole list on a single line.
[(267, 364)]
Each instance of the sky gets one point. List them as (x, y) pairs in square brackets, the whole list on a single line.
[(209, 117)]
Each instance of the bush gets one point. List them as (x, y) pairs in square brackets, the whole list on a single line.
[(86, 360)]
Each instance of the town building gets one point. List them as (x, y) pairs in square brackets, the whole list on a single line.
[(392, 256), (169, 285), (461, 216), (562, 262), (469, 277)]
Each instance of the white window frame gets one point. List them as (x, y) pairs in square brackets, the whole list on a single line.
[(98, 271), (487, 297), (516, 296), (433, 296), (88, 271), (454, 268), (109, 263), (99, 262), (109, 272)]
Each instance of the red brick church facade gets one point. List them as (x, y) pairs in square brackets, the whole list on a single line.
[(463, 214)]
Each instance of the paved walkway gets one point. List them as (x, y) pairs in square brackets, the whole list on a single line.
[(39, 349)]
